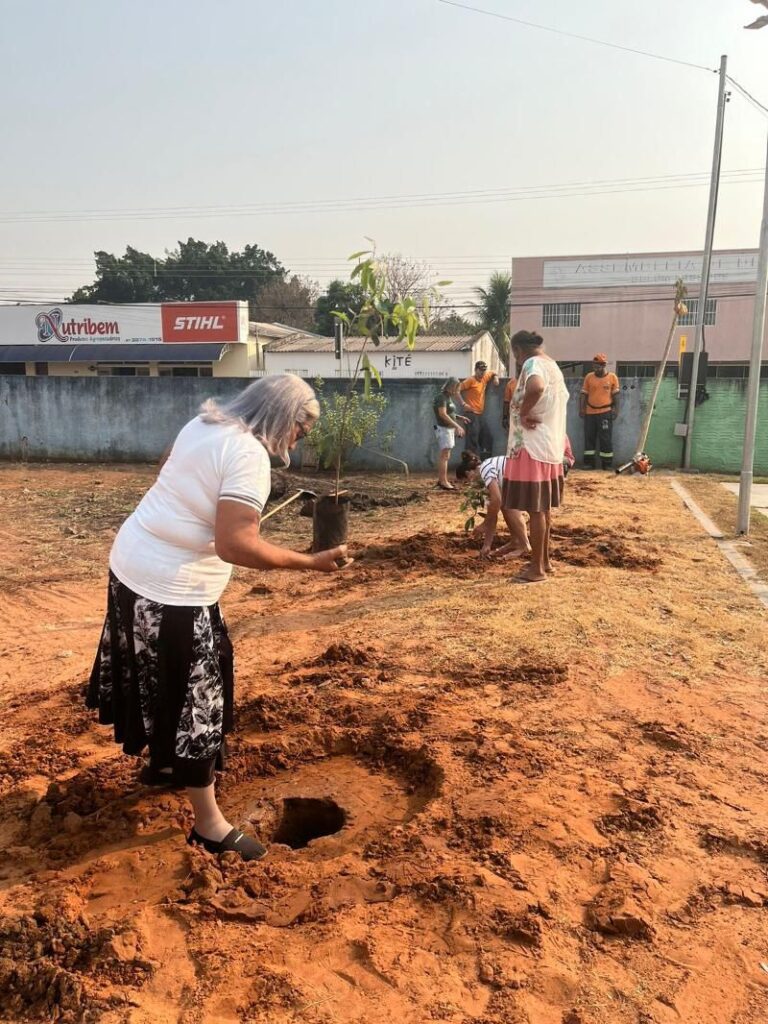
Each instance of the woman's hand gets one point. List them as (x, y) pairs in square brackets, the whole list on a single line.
[(464, 419), (460, 431), (238, 541), (332, 560)]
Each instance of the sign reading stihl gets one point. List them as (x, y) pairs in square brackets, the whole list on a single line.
[(199, 321), (141, 324)]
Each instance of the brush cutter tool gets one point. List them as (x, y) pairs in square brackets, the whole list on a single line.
[(639, 463)]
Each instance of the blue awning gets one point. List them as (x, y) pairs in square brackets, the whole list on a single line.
[(172, 353)]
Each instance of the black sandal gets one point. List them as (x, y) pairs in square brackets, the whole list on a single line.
[(151, 776), (239, 842)]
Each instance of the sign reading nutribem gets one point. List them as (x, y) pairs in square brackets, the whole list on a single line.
[(139, 324)]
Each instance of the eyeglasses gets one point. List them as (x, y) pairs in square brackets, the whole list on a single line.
[(302, 430)]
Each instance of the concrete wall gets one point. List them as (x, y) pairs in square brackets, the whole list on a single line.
[(134, 418)]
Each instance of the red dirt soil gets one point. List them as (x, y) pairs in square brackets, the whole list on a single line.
[(554, 797)]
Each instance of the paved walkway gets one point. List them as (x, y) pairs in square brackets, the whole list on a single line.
[(759, 496)]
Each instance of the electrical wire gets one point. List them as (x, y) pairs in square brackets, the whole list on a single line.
[(530, 303), (406, 201), (575, 35), (748, 96)]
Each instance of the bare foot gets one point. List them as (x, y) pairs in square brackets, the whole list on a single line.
[(549, 569), (512, 551), (486, 553), (530, 575)]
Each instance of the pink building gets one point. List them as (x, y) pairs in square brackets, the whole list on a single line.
[(622, 305)]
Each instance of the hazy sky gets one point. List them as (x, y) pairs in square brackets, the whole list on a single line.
[(125, 106)]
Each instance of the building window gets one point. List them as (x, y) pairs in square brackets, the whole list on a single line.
[(734, 371), (122, 370), (561, 314), (644, 369), (574, 370), (185, 371), (636, 369), (710, 313), (14, 369), (728, 371)]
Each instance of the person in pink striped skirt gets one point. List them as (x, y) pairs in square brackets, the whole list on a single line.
[(533, 479)]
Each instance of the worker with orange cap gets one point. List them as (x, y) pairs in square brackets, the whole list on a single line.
[(599, 407)]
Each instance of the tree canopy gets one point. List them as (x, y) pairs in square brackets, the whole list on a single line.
[(493, 308), (340, 297), (194, 271)]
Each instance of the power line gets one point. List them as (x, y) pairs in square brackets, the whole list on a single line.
[(748, 96), (529, 303), (575, 35), (406, 201)]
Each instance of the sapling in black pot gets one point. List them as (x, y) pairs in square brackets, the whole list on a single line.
[(347, 418)]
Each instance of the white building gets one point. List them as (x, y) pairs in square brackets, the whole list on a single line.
[(438, 356)]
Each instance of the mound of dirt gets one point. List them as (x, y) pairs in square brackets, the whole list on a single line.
[(431, 552), (361, 502), (590, 548), (532, 674), (54, 962), (625, 906), (344, 654)]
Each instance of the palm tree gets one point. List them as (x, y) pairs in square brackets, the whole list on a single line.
[(493, 308)]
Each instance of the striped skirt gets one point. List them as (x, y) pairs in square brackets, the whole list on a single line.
[(531, 486)]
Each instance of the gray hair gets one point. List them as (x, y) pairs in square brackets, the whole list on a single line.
[(270, 408)]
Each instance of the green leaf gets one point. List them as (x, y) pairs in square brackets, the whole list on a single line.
[(357, 255), (443, 284), (411, 329), (469, 524), (375, 374)]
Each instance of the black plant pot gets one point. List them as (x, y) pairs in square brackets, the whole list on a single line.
[(330, 522)]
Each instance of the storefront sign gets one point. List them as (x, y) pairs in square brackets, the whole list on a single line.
[(140, 324), (634, 271)]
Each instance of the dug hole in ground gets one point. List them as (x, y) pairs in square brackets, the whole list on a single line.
[(495, 803)]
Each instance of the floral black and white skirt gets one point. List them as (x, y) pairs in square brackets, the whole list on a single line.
[(163, 677)]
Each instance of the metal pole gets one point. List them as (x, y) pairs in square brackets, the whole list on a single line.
[(640, 447), (755, 361), (705, 265)]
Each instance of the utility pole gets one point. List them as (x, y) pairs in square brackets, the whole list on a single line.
[(755, 362), (680, 292), (705, 265)]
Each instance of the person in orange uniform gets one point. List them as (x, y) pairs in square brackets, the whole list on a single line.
[(599, 407), (477, 438), (509, 391)]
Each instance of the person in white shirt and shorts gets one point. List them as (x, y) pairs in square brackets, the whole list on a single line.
[(491, 473)]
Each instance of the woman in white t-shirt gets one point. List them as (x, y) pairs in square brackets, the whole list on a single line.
[(163, 674), (533, 473)]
